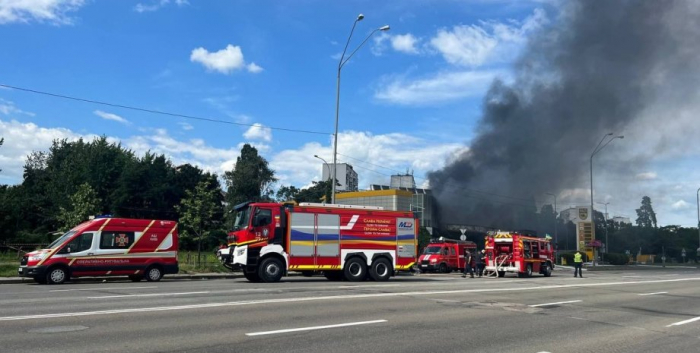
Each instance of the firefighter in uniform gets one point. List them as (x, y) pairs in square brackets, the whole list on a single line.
[(468, 260), (578, 264)]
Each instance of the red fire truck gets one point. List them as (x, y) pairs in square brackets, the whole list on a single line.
[(342, 241), (518, 253), (444, 255), (138, 248)]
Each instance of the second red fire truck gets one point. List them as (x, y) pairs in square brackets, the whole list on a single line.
[(445, 255), (341, 241), (518, 253)]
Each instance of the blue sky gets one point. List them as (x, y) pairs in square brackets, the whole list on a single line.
[(410, 98)]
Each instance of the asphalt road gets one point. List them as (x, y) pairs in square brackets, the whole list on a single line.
[(604, 312)]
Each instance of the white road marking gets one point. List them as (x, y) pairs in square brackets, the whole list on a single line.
[(370, 286), (99, 289), (314, 328), (557, 303), (145, 295), (653, 293), (684, 322), (631, 276), (337, 297)]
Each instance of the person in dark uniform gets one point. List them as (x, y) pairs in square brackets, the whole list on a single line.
[(468, 261), (479, 261)]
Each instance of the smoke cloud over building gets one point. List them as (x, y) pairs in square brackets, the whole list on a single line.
[(600, 67)]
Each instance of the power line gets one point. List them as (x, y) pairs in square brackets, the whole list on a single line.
[(153, 111)]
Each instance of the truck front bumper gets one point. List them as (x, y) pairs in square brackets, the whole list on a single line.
[(31, 271)]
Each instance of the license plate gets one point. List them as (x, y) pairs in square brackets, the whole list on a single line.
[(20, 270), (423, 265)]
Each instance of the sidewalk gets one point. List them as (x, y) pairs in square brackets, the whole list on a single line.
[(179, 277)]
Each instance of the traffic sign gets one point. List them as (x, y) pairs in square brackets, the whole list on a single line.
[(463, 237)]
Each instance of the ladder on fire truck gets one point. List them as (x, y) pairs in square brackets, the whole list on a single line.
[(500, 260)]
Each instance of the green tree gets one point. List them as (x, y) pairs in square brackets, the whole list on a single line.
[(250, 179), (423, 239), (83, 204), (318, 192), (646, 217), (197, 210), (286, 193)]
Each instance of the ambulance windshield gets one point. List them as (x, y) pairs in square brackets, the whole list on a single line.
[(432, 250), (242, 216), (61, 240)]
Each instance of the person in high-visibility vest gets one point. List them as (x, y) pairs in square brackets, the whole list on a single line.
[(578, 264)]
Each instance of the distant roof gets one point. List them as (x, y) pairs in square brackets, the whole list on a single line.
[(387, 187)]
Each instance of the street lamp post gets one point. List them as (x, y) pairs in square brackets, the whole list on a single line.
[(595, 151), (341, 63), (605, 217), (327, 166), (698, 195), (556, 214)]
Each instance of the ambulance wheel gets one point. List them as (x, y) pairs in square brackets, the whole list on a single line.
[(547, 272), (251, 276), (501, 273), (57, 275), (381, 270), (154, 273), (355, 270), (135, 278), (443, 268), (271, 270), (528, 270)]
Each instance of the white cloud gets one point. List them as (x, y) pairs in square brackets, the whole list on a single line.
[(476, 44), (405, 43), (9, 108), (258, 132), (224, 61), (374, 158), (54, 12), (186, 126), (439, 88), (646, 176), (680, 205), (157, 5), (110, 116)]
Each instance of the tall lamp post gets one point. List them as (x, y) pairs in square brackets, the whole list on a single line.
[(327, 166), (341, 63), (595, 151), (698, 195), (556, 214), (605, 217)]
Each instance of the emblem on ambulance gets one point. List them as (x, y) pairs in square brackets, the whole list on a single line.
[(121, 240)]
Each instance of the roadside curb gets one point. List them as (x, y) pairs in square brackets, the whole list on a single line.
[(639, 268), (197, 276)]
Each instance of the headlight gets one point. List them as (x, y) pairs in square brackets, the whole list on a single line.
[(433, 261), (38, 257)]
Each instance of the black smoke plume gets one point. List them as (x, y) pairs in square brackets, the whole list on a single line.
[(596, 69)]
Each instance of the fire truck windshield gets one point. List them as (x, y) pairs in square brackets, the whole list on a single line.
[(432, 250), (61, 240), (242, 218)]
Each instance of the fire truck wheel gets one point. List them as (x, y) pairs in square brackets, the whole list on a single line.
[(443, 268), (381, 270), (355, 270), (528, 270), (547, 270), (251, 276), (57, 275), (154, 274), (270, 270)]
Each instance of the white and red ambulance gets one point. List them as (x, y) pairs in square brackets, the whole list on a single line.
[(138, 248)]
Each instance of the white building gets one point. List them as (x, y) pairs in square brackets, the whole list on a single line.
[(347, 177)]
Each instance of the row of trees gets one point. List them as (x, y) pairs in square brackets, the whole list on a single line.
[(74, 180)]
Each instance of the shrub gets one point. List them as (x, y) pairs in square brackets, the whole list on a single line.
[(617, 259)]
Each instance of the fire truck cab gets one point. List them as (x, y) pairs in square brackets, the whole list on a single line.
[(518, 253), (341, 241), (445, 255), (105, 246)]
